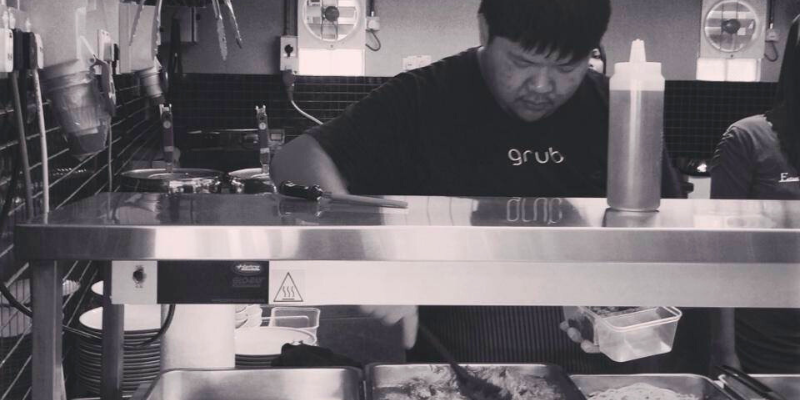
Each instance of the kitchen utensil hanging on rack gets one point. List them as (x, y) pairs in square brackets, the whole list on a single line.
[(223, 44), (235, 24)]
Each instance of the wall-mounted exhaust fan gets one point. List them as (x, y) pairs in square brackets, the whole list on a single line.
[(733, 28), (332, 21)]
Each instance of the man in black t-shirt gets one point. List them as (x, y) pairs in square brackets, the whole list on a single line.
[(519, 116)]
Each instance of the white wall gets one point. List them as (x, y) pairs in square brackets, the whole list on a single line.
[(442, 27)]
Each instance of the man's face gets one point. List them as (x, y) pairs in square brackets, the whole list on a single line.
[(528, 84)]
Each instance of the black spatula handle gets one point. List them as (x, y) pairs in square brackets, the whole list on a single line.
[(291, 189)]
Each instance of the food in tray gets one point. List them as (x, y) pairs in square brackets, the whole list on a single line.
[(519, 385), (640, 391)]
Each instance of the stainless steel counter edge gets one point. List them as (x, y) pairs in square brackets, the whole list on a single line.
[(429, 243)]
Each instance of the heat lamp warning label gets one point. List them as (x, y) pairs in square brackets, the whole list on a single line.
[(291, 285)]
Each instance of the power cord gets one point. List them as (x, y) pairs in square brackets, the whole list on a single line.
[(288, 82), (774, 50), (377, 40)]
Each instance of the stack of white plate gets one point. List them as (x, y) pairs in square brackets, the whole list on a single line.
[(140, 365), (248, 315), (257, 347)]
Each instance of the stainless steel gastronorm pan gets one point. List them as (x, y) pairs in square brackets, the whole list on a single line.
[(699, 386), (786, 385), (264, 384), (389, 375)]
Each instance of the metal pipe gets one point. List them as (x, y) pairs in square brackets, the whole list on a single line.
[(23, 145), (113, 339), (43, 140)]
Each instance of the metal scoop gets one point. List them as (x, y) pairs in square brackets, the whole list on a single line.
[(471, 386)]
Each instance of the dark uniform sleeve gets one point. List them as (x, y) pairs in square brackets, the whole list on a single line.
[(670, 179), (731, 167), (367, 141)]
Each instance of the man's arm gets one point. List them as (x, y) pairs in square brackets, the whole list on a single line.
[(670, 179), (731, 167), (305, 162)]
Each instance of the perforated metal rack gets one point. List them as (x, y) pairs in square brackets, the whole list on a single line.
[(70, 180)]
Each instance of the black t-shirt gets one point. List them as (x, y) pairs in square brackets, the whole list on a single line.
[(749, 164), (438, 131)]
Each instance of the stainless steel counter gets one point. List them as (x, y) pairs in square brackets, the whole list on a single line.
[(439, 251)]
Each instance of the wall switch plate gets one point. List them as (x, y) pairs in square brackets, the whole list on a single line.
[(288, 51)]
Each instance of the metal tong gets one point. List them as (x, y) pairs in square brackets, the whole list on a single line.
[(223, 43), (235, 24), (168, 136), (760, 389)]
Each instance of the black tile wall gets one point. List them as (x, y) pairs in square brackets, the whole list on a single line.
[(134, 129), (695, 113), (216, 101)]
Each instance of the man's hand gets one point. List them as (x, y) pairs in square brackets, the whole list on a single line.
[(391, 315), (575, 336)]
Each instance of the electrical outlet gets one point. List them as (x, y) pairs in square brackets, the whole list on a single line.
[(772, 35), (134, 282), (6, 50), (289, 58), (373, 23)]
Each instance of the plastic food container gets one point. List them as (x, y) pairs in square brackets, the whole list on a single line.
[(626, 333)]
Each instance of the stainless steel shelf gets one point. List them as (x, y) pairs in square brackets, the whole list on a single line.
[(138, 226)]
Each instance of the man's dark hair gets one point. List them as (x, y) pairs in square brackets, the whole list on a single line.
[(570, 27), (784, 116)]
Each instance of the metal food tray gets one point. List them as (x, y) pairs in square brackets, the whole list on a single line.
[(696, 385), (786, 385), (265, 384), (394, 375)]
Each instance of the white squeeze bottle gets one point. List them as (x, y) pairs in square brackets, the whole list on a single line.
[(636, 123)]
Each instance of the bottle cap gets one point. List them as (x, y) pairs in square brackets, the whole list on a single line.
[(647, 75), (637, 51)]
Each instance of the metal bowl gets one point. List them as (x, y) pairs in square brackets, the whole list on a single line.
[(180, 180), (251, 181)]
